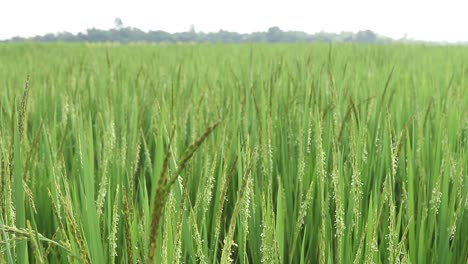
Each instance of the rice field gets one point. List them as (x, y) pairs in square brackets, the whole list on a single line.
[(252, 153)]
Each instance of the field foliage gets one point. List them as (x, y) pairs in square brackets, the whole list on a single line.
[(255, 153)]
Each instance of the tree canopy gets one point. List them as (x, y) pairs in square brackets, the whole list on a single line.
[(123, 34)]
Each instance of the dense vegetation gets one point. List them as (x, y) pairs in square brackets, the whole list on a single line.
[(273, 35), (251, 153)]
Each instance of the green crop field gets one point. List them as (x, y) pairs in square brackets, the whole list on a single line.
[(252, 153)]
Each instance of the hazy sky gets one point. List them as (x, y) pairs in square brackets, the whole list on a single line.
[(441, 20)]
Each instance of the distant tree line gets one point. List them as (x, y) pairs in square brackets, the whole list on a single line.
[(273, 35)]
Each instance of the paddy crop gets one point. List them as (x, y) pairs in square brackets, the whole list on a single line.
[(233, 153)]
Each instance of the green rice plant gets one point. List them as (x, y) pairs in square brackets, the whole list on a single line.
[(215, 153)]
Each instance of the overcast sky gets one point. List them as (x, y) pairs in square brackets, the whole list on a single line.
[(439, 20)]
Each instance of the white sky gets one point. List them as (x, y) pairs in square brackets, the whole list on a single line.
[(439, 20)]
